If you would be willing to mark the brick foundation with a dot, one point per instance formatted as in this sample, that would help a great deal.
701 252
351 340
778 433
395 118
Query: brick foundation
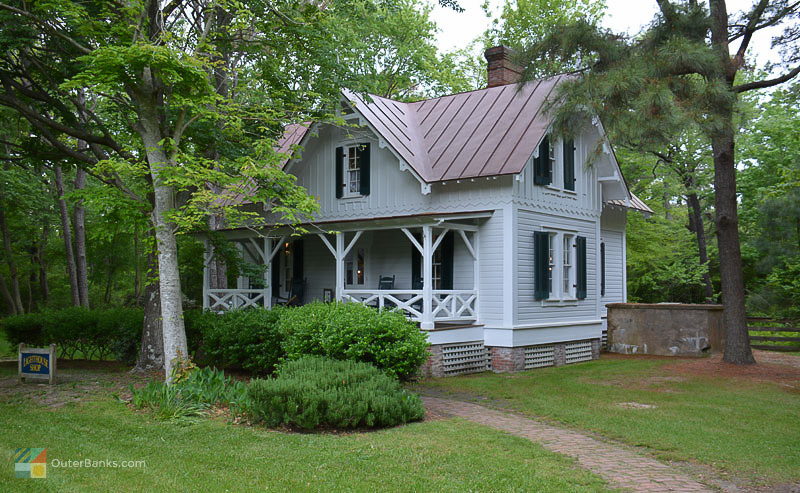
502 359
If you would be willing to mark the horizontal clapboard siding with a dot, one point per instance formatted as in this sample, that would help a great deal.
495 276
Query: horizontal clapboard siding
530 310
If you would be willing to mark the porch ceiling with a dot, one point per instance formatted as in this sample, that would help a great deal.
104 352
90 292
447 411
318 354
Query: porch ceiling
377 223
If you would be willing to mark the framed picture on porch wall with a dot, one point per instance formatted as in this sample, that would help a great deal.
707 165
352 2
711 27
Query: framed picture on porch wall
327 295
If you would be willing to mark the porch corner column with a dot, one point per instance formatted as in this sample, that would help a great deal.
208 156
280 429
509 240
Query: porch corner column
206 277
267 272
427 279
339 258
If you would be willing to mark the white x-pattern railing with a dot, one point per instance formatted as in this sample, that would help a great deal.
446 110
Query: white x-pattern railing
448 305
231 299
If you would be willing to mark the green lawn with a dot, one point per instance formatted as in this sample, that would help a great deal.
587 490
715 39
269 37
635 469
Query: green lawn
739 427
446 455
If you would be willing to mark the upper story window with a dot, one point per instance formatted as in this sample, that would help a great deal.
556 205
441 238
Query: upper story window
352 170
554 163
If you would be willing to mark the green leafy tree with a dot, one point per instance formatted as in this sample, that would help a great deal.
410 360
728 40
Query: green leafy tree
681 71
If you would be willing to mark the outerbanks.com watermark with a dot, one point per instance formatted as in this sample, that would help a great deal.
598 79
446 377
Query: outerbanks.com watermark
33 463
92 463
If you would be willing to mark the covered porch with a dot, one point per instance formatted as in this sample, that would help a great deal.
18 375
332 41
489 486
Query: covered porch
426 266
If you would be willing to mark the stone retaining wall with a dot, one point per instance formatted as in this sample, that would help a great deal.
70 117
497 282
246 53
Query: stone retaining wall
665 329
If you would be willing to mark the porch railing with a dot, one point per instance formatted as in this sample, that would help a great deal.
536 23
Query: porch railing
447 305
231 299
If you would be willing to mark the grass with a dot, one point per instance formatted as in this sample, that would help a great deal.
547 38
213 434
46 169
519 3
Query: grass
738 427
209 455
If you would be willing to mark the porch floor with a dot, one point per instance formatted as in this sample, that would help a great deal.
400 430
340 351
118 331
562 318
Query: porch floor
452 325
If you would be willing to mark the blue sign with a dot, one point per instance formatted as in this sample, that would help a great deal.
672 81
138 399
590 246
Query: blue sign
35 363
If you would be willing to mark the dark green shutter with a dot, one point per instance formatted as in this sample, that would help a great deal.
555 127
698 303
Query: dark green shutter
363 162
569 164
339 172
448 247
542 174
541 264
581 287
416 265
602 269
297 260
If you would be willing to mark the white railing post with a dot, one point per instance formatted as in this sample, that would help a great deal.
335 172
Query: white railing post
206 277
267 272
339 258
427 279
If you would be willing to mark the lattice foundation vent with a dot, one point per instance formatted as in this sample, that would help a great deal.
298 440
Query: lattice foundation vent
539 356
465 358
578 351
604 340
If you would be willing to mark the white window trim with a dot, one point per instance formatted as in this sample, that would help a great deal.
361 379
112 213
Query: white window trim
346 193
557 295
557 172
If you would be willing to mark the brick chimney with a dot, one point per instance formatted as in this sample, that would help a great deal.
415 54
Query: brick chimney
500 69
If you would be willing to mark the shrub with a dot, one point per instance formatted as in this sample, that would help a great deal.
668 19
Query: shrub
314 392
240 339
350 331
80 332
191 396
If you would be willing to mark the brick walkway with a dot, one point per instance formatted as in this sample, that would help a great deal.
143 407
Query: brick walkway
620 466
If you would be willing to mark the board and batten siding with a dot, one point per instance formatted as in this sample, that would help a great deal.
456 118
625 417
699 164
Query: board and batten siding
393 192
531 311
612 233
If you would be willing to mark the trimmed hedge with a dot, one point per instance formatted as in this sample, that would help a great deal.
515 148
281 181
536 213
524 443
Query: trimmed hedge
102 333
314 392
350 331
240 339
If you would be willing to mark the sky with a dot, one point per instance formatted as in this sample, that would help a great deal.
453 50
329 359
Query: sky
457 30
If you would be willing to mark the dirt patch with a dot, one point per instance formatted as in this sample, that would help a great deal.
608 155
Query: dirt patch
768 369
75 381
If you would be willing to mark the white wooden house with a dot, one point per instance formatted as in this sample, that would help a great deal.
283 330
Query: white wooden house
503 243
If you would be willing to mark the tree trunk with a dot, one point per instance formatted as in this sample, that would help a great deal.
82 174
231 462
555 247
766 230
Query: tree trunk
79 221
137 270
12 308
44 287
12 265
66 229
150 130
698 228
151 352
737 338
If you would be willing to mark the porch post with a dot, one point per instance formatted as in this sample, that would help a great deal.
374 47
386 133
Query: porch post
427 279
267 272
206 262
240 279
339 258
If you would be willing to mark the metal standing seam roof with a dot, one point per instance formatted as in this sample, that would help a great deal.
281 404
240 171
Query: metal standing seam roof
635 203
487 132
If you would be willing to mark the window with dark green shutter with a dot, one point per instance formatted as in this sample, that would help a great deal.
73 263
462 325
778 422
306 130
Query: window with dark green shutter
541 265
353 171
569 164
542 163
580 243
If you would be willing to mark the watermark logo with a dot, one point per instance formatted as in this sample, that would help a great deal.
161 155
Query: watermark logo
30 462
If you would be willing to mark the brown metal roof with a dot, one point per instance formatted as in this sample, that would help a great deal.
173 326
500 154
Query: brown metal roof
292 135
487 132
635 203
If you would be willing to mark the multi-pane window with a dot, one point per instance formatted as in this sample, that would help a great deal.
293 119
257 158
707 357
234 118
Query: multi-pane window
551 157
559 266
352 173
566 269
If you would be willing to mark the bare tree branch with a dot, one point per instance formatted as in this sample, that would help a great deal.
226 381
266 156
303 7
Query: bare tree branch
761 84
